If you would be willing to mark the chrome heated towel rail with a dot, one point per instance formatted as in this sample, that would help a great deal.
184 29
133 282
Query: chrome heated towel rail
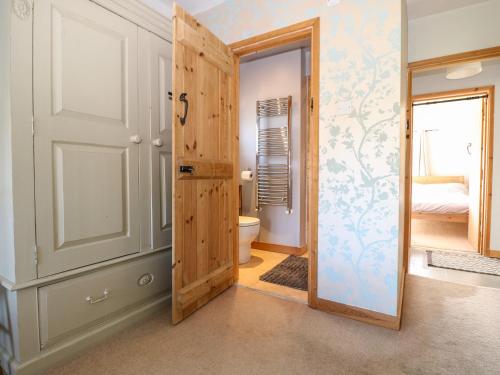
273 160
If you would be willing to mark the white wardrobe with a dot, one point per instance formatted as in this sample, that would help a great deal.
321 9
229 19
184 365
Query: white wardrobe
85 170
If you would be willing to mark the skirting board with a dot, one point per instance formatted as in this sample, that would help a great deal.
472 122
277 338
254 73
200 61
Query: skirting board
283 249
363 315
356 313
401 297
68 349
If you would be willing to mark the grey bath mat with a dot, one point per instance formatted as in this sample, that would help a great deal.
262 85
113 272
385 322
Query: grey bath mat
463 261
292 272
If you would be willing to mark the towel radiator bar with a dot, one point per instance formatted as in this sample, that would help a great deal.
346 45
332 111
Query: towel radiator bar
273 154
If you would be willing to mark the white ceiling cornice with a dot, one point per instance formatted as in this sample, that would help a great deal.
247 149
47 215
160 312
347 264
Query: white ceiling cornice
416 8
192 6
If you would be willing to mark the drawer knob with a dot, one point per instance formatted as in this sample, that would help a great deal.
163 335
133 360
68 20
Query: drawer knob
93 300
145 279
136 138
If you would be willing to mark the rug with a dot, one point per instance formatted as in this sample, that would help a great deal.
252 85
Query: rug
463 262
292 272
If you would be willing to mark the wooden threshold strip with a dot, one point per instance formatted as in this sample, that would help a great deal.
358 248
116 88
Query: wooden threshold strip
276 248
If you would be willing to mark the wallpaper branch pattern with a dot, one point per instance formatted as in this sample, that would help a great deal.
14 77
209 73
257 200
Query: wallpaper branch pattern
360 84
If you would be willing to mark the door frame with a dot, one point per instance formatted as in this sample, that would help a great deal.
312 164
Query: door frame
487 152
486 148
309 29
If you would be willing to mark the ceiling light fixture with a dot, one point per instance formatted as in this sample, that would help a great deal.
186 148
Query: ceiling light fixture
464 71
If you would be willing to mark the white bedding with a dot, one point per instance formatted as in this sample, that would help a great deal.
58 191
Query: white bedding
449 198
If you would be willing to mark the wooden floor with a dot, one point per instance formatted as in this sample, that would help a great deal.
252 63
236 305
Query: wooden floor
440 235
261 262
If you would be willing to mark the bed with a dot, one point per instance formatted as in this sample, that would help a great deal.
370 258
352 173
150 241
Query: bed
440 198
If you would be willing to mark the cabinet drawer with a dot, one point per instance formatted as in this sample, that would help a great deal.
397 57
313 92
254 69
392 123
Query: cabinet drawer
76 303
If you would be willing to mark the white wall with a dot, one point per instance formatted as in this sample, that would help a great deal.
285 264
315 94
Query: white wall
460 30
447 128
403 100
272 77
489 76
6 193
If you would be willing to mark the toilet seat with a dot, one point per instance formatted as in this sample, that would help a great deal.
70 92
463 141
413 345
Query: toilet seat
248 221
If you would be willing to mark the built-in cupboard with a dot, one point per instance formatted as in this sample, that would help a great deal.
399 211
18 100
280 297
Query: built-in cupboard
93 77
102 131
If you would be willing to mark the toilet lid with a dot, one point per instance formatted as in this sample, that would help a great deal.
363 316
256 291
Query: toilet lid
247 221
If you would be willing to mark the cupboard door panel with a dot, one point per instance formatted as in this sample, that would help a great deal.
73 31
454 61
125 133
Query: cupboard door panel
155 66
85 211
86 157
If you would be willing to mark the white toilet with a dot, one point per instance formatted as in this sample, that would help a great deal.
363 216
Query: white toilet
249 230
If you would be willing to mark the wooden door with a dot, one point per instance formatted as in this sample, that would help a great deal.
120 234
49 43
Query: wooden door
205 213
86 146
155 67
476 179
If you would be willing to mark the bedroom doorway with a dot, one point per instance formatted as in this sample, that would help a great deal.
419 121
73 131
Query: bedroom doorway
449 169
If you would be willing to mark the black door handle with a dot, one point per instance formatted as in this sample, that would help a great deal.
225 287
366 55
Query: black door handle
183 99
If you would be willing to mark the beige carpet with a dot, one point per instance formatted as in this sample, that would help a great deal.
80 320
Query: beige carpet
447 329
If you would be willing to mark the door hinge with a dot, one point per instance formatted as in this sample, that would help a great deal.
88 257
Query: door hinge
35 254
312 104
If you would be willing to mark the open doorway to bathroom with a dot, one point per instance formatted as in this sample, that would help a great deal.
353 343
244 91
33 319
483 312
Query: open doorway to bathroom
276 149
274 87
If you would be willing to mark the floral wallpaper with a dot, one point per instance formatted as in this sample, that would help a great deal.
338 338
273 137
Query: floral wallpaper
360 74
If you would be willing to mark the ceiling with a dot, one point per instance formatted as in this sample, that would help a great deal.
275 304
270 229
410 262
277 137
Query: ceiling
416 8
422 8
192 6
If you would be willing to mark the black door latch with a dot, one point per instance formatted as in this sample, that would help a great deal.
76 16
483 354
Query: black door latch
186 169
